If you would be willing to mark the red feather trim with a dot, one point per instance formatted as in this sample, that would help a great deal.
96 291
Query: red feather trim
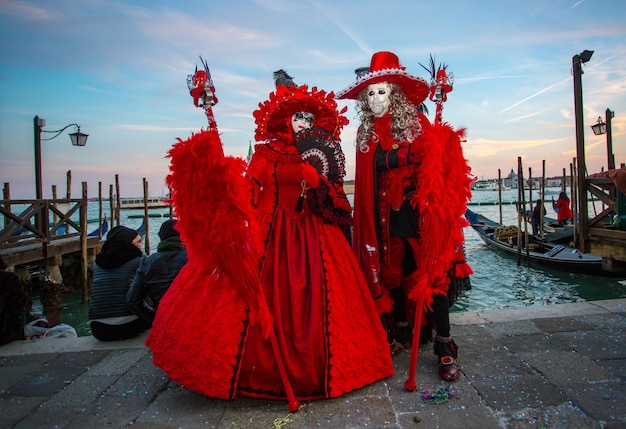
442 195
462 270
385 303
212 200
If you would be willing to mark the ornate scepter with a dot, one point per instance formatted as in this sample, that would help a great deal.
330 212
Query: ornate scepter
441 83
202 90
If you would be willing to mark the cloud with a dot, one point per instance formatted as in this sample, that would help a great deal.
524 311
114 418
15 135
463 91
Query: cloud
27 11
530 97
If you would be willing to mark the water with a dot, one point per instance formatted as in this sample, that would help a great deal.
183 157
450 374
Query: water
498 282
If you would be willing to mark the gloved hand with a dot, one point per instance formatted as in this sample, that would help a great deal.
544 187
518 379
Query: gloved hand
415 156
310 175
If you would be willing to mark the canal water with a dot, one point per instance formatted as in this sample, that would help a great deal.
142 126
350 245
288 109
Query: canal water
498 282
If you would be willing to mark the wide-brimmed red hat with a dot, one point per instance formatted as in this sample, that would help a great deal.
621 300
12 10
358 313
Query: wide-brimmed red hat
274 114
385 67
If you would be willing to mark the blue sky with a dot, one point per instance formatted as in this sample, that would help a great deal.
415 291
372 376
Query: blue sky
119 70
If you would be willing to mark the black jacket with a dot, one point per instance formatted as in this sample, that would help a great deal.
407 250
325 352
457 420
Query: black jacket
154 276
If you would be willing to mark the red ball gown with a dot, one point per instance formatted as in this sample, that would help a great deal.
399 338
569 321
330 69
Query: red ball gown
210 335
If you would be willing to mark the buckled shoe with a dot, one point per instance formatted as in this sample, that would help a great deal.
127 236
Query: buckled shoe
446 350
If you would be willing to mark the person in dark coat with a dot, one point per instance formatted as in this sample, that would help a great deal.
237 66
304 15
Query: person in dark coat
14 303
538 213
156 273
114 270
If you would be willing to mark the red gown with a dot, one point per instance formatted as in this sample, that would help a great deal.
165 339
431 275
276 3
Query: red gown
330 337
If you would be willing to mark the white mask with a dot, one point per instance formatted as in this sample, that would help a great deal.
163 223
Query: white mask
301 121
378 98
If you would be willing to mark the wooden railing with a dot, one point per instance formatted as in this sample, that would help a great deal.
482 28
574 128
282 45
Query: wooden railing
41 221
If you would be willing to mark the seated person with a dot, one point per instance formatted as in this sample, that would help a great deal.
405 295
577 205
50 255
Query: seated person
156 273
114 270
14 304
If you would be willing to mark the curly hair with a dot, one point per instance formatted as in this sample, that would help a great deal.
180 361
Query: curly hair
405 123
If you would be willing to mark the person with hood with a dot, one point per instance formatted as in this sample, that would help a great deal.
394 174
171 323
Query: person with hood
114 270
14 305
156 273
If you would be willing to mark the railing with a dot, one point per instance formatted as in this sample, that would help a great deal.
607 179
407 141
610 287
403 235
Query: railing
41 221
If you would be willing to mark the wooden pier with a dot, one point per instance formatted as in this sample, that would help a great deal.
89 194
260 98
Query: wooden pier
43 233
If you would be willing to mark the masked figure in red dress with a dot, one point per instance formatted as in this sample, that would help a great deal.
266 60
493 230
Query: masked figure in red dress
272 298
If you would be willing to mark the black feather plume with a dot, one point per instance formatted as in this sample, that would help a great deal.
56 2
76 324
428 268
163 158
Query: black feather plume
282 78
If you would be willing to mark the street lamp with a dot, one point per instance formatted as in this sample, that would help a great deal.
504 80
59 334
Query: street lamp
577 62
604 127
78 139
599 128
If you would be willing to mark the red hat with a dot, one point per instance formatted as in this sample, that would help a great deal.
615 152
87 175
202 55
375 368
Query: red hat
385 67
274 114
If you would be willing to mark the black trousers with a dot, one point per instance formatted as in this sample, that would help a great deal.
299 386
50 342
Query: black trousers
105 332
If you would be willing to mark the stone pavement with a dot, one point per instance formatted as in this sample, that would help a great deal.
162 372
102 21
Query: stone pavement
554 366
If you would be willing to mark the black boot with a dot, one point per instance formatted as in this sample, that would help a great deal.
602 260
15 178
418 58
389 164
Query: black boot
446 350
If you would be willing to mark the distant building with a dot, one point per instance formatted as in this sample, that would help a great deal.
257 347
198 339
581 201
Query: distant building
550 182
510 180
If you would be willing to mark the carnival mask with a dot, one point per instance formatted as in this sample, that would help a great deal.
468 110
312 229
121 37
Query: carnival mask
378 98
301 121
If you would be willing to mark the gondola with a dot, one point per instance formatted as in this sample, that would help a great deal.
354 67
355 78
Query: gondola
539 252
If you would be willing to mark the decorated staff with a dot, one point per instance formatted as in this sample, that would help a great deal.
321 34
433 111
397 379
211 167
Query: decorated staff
202 91
440 85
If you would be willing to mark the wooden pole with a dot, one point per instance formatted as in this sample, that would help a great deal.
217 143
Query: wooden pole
55 218
145 216
574 194
581 169
542 196
100 208
520 199
609 114
6 195
530 195
118 199
500 193
83 244
169 196
111 206
68 184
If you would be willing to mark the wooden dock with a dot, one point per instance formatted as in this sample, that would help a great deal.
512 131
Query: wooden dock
38 234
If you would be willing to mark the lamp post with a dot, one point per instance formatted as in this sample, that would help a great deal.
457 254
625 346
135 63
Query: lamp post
604 127
577 62
78 139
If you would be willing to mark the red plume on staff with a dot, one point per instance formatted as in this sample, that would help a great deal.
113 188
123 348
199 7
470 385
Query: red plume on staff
202 91
441 83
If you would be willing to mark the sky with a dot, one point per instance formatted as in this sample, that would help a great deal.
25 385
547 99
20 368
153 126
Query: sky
119 70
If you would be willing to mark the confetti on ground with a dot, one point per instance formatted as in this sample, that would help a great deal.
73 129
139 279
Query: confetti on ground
282 421
439 395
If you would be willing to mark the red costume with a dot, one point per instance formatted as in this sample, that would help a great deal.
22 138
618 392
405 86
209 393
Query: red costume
412 185
429 172
275 267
